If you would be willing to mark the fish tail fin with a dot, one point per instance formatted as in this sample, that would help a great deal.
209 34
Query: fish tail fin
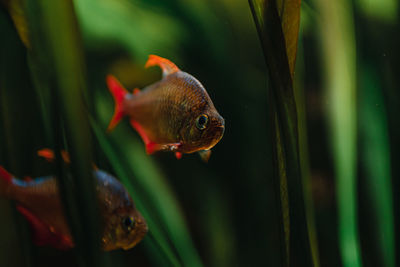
118 92
166 65
5 181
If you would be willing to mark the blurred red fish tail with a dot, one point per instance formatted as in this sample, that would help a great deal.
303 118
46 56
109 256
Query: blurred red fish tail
166 65
5 180
119 93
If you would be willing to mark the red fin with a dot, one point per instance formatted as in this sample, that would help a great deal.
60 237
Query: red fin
5 175
141 132
153 147
43 234
136 91
119 93
48 154
178 155
167 66
5 180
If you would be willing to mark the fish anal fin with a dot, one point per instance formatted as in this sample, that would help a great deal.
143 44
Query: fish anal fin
44 235
141 132
151 146
166 65
118 92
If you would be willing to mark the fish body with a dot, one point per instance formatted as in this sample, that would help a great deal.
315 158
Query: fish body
175 113
40 203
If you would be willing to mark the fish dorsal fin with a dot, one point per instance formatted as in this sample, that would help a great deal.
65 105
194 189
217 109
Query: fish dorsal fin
48 154
167 66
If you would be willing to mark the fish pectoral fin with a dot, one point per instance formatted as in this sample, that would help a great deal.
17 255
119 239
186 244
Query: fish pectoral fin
178 155
205 155
154 147
166 65
43 234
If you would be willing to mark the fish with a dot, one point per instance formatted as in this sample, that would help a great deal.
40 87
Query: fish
39 201
174 114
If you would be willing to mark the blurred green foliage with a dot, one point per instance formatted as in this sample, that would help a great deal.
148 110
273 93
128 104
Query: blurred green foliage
226 212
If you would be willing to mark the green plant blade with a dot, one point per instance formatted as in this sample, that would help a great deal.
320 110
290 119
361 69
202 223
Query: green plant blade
279 42
375 157
60 56
337 35
16 246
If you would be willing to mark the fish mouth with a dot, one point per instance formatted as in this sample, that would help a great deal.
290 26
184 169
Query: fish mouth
219 133
141 233
223 129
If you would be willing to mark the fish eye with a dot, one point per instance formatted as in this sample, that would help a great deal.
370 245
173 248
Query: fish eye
201 121
128 223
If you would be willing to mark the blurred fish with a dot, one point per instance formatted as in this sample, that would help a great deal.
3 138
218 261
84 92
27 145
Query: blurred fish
174 114
38 200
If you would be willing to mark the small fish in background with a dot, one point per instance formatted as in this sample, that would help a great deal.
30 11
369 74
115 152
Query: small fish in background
38 200
174 114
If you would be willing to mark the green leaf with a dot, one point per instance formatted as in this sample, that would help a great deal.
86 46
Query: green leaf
277 25
57 53
338 48
375 157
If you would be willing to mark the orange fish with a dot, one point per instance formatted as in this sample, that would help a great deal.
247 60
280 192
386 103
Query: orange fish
38 200
174 114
